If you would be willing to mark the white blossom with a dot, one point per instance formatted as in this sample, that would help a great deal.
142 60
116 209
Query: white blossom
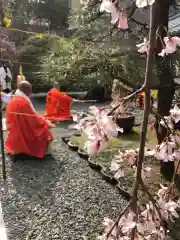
144 3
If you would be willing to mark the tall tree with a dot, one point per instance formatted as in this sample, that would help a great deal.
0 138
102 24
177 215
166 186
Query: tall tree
165 76
54 11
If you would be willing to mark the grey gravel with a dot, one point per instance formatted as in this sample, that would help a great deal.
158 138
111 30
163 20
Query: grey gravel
57 198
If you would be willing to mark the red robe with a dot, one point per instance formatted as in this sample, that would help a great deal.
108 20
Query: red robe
57 106
28 134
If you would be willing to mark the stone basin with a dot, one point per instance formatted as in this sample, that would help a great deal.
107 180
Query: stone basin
126 122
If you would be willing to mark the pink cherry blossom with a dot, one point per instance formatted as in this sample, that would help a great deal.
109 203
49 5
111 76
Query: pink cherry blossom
120 173
149 221
93 147
127 223
171 207
109 7
144 3
128 226
110 127
176 138
98 128
103 237
176 154
107 223
168 209
167 122
120 155
146 172
131 156
114 17
117 167
143 47
123 22
150 153
175 114
165 151
163 191
170 45
114 166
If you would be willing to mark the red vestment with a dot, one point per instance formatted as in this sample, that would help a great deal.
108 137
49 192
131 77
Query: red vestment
28 134
57 106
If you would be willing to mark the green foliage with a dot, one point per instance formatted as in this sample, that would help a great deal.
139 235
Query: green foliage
31 54
115 50
86 60
81 65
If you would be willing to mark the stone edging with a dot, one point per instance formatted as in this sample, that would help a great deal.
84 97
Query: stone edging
97 167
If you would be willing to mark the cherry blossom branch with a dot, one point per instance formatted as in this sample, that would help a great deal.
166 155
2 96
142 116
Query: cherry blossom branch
117 220
163 221
176 170
147 88
161 117
153 201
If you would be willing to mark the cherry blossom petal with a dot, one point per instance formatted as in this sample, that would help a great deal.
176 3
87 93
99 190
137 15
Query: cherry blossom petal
167 122
176 154
108 222
114 17
120 173
171 44
143 47
114 166
175 114
146 172
107 6
127 227
144 3
176 40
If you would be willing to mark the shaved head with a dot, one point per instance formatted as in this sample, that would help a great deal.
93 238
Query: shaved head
25 87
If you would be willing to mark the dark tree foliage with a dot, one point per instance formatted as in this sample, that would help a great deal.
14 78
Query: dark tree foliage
53 13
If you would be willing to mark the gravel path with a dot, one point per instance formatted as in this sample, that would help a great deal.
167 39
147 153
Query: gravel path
59 198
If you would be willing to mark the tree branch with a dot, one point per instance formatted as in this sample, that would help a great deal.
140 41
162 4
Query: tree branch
117 220
153 202
125 99
147 86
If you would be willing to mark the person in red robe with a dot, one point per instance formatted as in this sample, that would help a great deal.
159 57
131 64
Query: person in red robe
58 106
28 132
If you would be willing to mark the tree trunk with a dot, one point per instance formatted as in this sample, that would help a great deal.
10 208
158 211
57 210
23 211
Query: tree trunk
166 83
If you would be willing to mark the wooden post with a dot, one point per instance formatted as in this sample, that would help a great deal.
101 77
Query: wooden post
20 76
1 116
2 140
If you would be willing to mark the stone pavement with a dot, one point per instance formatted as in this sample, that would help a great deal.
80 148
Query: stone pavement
3 235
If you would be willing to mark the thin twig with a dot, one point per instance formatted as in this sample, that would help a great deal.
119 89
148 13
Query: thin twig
147 84
161 117
152 200
174 176
125 99
117 220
